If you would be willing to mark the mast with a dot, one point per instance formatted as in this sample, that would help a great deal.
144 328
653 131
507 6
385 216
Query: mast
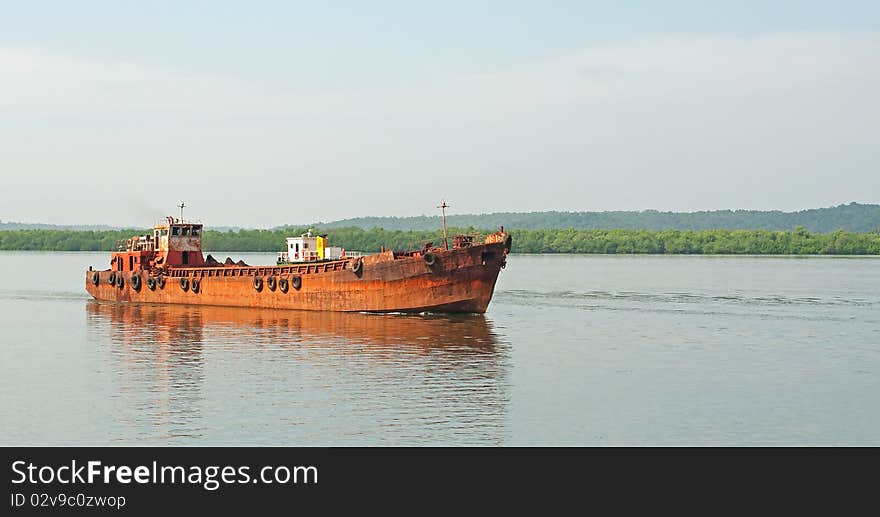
180 206
443 206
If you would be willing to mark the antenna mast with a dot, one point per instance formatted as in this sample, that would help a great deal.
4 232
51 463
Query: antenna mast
180 206
443 206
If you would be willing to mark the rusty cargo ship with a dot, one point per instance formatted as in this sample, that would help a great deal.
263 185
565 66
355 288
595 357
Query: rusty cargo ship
168 266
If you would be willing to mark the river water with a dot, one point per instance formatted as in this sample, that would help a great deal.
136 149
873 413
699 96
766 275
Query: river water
575 350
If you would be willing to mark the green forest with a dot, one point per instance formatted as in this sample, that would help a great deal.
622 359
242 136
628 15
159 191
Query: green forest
852 217
750 242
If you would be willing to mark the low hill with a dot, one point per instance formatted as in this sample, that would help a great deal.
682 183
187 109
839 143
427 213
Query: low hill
853 217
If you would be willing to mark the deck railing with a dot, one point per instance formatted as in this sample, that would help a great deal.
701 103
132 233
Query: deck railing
312 256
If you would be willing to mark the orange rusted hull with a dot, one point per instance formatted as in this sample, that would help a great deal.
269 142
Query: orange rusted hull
460 280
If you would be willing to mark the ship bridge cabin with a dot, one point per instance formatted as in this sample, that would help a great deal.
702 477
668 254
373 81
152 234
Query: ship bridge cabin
308 247
175 243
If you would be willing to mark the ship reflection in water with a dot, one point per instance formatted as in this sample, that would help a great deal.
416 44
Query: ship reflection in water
218 375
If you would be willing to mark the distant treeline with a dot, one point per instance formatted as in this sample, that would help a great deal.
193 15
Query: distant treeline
853 217
758 242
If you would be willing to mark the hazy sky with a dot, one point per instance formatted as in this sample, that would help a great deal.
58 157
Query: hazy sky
265 113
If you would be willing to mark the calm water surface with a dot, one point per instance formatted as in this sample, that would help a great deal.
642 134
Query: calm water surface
575 350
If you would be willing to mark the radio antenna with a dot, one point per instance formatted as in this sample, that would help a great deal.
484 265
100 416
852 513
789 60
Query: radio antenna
443 206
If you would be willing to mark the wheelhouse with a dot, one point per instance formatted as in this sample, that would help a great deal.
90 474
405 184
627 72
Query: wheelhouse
175 243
